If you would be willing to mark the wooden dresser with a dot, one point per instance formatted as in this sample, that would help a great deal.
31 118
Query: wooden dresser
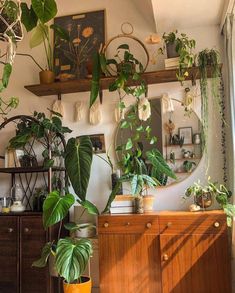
166 252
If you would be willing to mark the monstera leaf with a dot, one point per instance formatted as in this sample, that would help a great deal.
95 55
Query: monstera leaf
56 207
78 159
72 256
44 9
46 251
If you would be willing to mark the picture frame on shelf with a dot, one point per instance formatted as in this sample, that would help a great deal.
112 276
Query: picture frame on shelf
187 134
73 59
98 143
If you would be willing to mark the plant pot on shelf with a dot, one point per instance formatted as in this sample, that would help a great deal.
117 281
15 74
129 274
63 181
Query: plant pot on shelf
84 287
139 204
148 203
46 77
171 50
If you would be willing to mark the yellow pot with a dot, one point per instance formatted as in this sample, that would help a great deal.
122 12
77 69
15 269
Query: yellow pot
84 287
46 77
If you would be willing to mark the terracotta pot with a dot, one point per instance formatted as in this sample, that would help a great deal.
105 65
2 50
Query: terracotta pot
139 204
46 77
84 287
148 203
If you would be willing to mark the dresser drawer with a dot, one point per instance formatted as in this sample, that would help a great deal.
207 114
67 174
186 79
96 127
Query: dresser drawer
193 223
128 224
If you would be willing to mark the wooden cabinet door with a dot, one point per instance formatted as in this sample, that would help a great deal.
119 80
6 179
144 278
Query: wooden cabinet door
9 265
129 263
197 263
32 239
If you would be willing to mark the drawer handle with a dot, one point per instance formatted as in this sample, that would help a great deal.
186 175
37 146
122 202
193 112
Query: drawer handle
106 225
26 230
169 224
128 224
216 224
165 257
149 225
10 230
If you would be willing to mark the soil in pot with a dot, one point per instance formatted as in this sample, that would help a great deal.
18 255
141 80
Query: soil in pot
84 287
46 77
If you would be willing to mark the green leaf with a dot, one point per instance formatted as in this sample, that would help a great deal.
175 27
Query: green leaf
125 124
78 159
56 207
28 17
38 35
77 227
112 197
60 32
6 74
129 144
48 163
153 140
46 251
44 9
72 256
91 208
123 46
157 160
95 84
136 184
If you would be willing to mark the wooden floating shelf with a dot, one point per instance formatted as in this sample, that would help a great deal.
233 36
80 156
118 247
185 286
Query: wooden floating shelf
185 159
84 85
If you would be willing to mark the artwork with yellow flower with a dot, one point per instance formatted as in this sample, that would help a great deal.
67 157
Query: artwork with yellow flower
86 35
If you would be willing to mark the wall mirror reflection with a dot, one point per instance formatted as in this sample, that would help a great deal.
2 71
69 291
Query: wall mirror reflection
179 137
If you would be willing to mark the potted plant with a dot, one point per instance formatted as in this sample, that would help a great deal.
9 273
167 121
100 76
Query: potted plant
179 45
138 167
205 194
35 18
188 166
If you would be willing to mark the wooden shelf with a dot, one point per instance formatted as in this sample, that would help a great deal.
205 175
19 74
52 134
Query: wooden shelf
184 145
84 85
39 169
185 159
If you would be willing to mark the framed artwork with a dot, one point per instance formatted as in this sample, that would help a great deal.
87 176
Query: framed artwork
98 143
87 34
187 133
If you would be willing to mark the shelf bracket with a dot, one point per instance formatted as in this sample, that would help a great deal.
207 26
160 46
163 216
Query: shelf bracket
101 95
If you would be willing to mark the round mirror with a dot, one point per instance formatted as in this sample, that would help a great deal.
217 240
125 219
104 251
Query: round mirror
178 135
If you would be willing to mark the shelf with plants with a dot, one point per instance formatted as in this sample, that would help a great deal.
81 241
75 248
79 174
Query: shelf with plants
39 169
84 85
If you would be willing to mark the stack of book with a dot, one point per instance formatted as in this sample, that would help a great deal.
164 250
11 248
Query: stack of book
172 63
122 204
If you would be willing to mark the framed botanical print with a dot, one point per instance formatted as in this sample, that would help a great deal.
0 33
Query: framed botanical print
187 134
86 35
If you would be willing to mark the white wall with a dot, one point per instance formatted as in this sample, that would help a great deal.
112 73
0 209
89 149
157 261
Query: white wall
118 12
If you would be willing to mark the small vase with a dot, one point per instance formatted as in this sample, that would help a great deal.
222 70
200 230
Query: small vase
139 205
148 203
204 200
171 50
46 77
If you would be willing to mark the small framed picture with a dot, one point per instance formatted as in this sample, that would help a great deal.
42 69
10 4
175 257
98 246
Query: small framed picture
98 143
187 134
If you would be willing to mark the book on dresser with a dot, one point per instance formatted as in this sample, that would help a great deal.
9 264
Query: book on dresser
122 204
171 63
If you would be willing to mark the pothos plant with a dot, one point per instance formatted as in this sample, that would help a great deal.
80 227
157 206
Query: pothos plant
184 47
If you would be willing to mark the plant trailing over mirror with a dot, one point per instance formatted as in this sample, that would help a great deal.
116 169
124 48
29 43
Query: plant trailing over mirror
183 47
218 191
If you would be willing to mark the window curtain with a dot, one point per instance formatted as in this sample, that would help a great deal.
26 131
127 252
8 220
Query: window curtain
229 41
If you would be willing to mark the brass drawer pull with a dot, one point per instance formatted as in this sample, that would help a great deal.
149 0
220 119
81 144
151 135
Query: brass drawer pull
165 257
128 224
26 230
10 230
216 224
149 225
106 225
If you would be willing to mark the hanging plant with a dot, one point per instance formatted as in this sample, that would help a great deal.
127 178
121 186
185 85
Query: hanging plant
209 59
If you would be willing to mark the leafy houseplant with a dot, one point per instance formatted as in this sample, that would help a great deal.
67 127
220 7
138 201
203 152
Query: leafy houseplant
35 18
204 194
188 165
183 47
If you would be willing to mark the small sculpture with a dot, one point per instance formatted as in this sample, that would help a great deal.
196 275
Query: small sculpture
194 208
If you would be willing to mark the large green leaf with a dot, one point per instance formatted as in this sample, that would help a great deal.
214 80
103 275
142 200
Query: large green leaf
72 256
38 35
157 160
46 251
60 32
90 207
95 84
56 207
78 159
6 74
45 9
28 17
78 227
112 197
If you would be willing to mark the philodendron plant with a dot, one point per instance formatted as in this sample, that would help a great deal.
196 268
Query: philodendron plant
71 254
